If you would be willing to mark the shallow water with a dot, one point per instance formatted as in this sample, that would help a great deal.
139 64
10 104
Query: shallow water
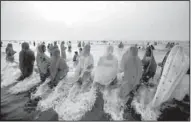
63 103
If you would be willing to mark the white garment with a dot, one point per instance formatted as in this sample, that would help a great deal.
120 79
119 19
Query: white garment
106 71
83 64
174 70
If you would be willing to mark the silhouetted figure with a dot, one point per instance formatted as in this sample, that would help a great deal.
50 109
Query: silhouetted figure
152 47
149 64
34 43
10 53
121 45
26 61
48 46
80 51
69 46
75 58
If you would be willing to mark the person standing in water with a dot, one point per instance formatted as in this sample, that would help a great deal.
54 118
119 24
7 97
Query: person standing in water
69 46
76 58
121 45
63 50
83 44
34 43
26 61
86 62
55 44
10 52
79 44
43 62
58 68
84 68
132 68
109 64
149 65
80 51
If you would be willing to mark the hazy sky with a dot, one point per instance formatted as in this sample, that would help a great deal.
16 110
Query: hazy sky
95 20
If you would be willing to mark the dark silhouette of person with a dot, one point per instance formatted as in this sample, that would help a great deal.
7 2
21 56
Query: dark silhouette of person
26 61
34 43
149 64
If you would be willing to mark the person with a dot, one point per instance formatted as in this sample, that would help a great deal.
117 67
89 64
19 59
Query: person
174 82
58 68
83 44
26 61
86 61
34 43
80 51
69 46
83 72
79 44
55 44
149 65
132 69
63 50
10 52
109 64
43 62
75 58
48 46
121 45
50 49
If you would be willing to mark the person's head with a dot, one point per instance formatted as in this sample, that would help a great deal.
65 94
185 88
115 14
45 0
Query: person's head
56 52
148 51
86 50
76 53
25 46
9 45
55 43
41 48
80 49
62 42
109 50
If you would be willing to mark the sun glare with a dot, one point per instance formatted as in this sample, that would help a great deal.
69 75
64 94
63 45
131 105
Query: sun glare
69 12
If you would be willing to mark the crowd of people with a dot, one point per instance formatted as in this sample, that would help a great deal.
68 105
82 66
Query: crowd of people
133 68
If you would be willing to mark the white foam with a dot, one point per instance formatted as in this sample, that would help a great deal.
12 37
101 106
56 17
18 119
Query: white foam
73 108
113 105
26 84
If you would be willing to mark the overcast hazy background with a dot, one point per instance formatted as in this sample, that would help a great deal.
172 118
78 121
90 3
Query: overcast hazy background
94 20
